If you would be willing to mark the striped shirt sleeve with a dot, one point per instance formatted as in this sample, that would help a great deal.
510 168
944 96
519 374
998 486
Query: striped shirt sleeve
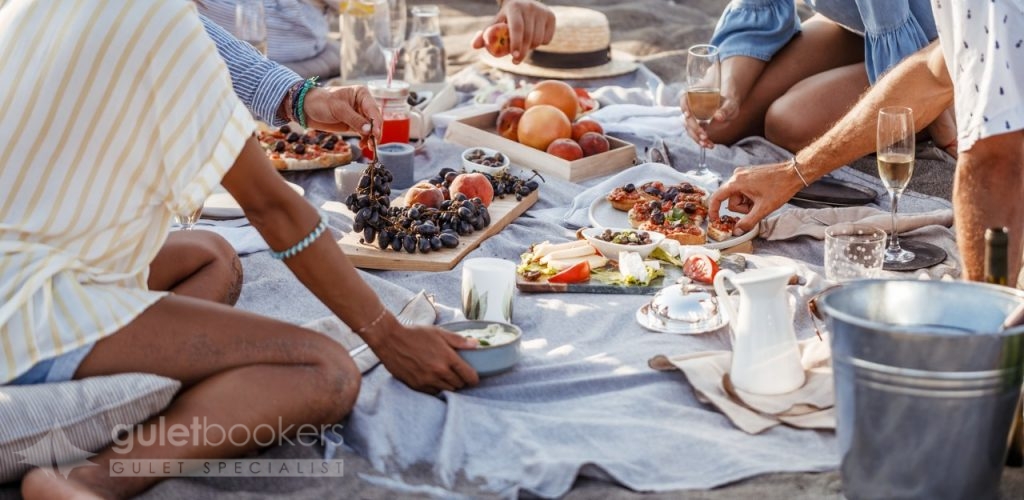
259 83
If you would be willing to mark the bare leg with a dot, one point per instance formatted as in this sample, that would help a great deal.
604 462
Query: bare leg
821 46
198 264
238 369
811 106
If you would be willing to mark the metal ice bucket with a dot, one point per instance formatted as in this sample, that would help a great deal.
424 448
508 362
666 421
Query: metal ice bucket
926 386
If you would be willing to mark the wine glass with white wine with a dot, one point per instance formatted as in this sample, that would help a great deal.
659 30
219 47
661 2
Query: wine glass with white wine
389 30
251 24
187 221
895 167
703 98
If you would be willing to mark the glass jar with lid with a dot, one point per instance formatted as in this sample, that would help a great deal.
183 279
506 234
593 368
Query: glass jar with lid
399 117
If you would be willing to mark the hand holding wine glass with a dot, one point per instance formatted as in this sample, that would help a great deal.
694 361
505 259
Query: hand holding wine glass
389 30
896 166
703 97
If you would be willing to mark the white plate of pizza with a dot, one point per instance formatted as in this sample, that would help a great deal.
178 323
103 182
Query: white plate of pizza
221 205
676 208
290 148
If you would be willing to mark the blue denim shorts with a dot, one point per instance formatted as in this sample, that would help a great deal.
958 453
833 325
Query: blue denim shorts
57 369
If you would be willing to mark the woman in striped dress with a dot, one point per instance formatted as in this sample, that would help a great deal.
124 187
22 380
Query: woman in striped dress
121 115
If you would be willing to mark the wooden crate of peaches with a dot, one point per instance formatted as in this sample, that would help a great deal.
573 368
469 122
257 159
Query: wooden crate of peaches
546 119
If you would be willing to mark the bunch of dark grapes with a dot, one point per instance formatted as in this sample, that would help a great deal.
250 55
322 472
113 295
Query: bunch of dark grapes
416 228
503 182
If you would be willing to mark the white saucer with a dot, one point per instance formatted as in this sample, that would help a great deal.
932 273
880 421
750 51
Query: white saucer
221 205
646 318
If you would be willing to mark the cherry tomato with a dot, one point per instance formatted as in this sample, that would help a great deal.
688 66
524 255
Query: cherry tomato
700 268
575 273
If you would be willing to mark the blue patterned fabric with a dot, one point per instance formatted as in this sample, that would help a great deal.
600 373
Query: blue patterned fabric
892 30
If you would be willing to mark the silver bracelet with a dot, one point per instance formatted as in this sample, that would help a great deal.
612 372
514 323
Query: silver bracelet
793 163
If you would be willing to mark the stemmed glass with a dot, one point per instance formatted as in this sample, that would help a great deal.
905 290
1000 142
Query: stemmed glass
187 221
251 24
389 30
896 166
703 97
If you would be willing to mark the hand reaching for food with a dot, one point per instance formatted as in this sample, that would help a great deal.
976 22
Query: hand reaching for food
519 27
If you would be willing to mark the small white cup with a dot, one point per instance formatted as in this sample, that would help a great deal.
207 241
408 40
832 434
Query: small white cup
853 251
346 179
488 286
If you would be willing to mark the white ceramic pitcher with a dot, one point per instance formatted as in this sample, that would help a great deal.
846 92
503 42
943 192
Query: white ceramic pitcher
765 355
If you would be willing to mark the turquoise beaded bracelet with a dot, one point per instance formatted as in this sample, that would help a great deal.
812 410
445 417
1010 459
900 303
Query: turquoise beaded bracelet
300 102
305 243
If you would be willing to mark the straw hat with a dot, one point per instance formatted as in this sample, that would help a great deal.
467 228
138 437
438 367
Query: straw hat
581 48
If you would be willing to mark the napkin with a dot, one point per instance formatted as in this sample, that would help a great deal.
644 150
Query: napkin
809 407
641 120
418 311
813 221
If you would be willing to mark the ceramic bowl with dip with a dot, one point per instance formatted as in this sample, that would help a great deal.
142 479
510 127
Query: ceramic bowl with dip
484 160
499 345
611 241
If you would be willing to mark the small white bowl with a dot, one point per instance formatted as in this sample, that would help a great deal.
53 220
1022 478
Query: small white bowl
472 166
611 250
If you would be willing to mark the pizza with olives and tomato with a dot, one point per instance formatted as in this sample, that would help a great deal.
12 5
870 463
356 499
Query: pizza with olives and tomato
288 148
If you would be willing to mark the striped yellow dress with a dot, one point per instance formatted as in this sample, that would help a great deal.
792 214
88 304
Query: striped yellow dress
114 115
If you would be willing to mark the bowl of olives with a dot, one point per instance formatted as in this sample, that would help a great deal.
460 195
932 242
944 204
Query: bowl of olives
484 160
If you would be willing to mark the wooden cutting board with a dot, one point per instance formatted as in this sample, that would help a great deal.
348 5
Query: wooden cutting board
542 285
503 212
672 273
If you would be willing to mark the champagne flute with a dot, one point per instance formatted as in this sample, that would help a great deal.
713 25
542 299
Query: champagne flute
251 24
389 31
187 221
703 97
895 167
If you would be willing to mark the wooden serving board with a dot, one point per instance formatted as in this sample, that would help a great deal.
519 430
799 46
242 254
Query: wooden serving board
503 212
672 273
542 285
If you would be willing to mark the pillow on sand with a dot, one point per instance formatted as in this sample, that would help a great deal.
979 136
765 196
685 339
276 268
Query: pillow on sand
58 423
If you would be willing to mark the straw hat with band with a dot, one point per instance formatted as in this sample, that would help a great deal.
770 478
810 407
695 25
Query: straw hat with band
581 48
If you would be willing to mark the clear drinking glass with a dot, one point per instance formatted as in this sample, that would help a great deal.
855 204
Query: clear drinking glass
425 54
703 97
251 24
389 30
187 221
896 166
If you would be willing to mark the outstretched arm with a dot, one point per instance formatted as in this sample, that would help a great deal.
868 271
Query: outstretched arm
423 357
920 82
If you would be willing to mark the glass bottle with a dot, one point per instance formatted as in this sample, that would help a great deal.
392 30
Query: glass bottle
424 52
996 242
361 57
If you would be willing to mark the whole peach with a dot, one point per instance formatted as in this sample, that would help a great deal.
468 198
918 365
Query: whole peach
567 149
583 126
508 123
473 185
594 143
425 193
496 40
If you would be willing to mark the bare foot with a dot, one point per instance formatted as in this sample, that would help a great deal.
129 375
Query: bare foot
45 484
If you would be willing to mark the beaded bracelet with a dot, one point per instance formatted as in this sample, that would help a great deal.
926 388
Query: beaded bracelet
361 330
793 163
300 102
305 243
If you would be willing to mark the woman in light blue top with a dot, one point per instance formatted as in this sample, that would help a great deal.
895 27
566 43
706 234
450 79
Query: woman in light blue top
789 81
